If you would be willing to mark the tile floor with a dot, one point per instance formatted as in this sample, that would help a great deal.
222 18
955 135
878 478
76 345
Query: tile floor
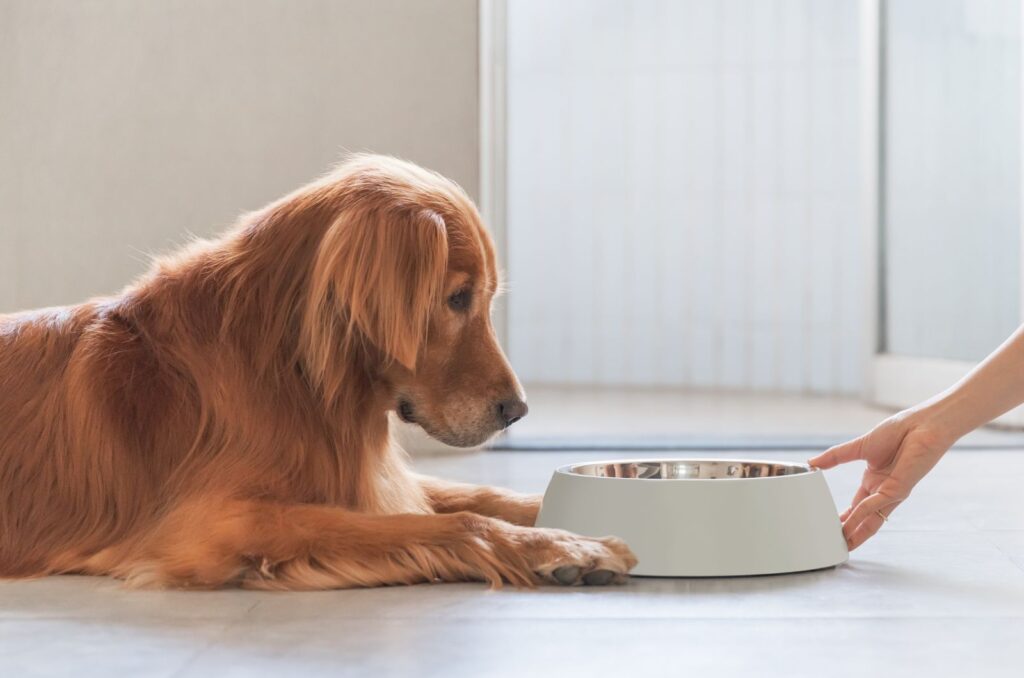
939 592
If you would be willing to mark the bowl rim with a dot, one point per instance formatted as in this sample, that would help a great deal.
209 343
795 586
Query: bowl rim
807 469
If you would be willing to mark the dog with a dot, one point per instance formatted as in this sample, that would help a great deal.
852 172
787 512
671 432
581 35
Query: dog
223 421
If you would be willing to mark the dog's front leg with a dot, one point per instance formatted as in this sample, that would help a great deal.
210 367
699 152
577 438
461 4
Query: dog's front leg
449 497
258 544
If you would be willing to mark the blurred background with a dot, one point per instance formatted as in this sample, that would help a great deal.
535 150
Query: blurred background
767 220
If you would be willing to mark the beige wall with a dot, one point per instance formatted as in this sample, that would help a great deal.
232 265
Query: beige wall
125 125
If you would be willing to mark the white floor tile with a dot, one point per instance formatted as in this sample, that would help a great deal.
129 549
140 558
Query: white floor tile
103 598
102 648
645 647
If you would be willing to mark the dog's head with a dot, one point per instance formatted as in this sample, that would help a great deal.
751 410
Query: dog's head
406 274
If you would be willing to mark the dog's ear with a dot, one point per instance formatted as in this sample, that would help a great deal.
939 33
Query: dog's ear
378 273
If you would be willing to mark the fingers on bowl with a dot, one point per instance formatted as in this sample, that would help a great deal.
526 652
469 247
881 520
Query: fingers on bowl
866 517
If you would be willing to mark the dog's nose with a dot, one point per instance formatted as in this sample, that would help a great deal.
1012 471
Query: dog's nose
512 410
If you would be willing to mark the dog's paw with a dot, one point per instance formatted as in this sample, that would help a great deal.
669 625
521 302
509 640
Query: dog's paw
571 560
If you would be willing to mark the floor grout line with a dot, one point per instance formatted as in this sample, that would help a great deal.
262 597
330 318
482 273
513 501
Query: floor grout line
1013 561
213 642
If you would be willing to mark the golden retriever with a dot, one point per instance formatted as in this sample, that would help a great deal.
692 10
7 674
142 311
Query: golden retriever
223 421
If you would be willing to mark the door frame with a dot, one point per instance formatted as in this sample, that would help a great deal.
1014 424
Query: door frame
493 60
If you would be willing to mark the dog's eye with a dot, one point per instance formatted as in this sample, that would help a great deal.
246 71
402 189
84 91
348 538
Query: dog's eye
459 301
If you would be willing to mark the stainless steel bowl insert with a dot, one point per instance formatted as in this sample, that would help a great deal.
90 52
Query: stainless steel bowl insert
687 469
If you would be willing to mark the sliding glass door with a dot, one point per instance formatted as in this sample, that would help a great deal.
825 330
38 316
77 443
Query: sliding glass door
950 190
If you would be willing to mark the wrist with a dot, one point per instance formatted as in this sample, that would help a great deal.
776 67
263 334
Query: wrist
947 416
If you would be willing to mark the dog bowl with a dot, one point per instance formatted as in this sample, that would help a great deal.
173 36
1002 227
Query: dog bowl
702 517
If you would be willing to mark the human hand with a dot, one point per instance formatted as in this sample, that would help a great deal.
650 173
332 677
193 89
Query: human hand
899 452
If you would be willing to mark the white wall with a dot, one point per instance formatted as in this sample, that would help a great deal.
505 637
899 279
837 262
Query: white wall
126 125
684 193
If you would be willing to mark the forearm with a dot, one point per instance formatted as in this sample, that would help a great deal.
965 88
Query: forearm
992 388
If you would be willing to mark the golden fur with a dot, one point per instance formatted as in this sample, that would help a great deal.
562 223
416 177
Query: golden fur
223 421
